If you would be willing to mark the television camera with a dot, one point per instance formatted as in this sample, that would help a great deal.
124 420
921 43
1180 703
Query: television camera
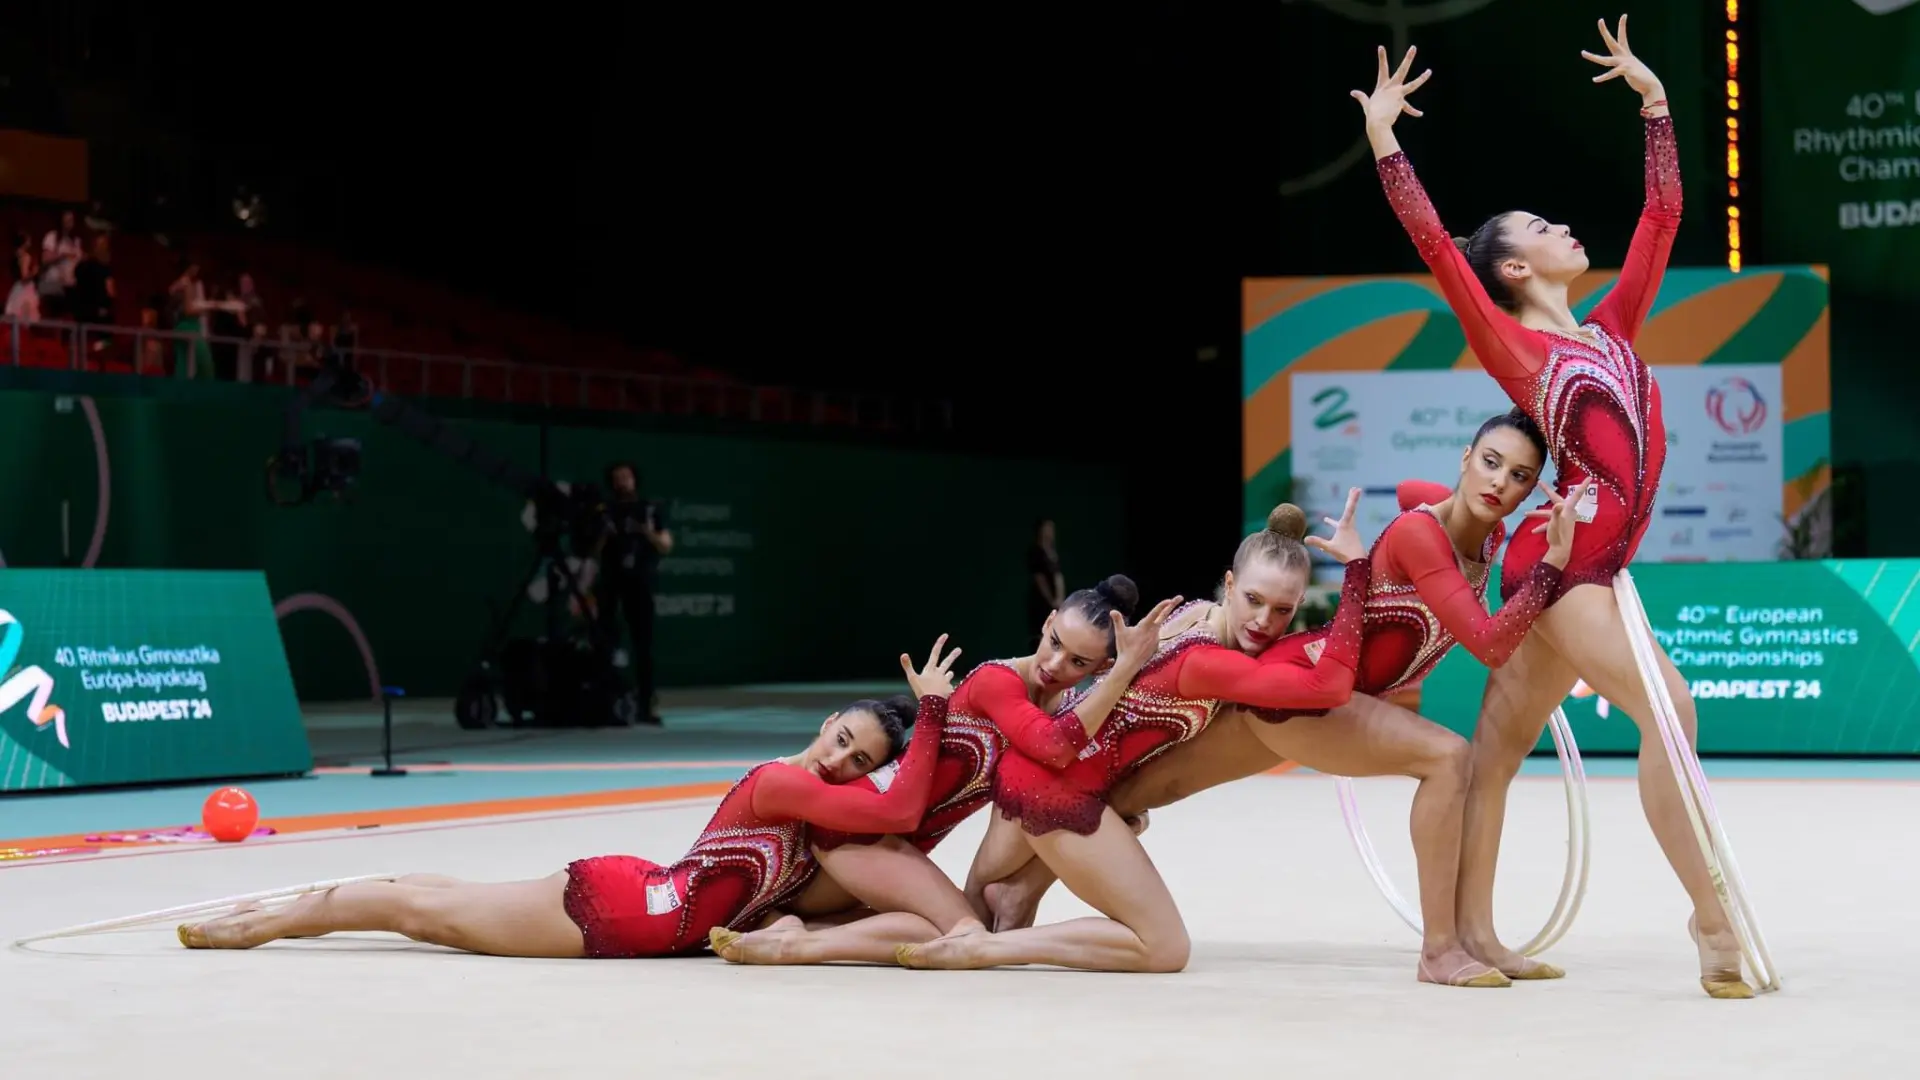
561 678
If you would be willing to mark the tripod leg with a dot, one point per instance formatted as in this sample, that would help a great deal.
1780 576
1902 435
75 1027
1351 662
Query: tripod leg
602 648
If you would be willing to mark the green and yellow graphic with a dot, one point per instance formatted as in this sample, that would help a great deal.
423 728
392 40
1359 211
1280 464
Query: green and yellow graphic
1765 315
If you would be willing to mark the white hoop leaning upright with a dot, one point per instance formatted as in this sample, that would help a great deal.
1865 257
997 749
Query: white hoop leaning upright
205 907
1694 792
1572 891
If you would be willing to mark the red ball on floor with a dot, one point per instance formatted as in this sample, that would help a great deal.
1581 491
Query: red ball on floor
229 814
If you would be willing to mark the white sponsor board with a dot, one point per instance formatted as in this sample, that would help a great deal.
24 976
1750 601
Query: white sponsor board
1719 498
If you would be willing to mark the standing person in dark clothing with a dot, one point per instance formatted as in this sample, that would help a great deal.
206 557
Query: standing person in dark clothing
1045 585
629 553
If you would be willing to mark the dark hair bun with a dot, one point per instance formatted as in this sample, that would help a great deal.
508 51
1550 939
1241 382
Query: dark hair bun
1462 242
900 707
1288 520
1120 591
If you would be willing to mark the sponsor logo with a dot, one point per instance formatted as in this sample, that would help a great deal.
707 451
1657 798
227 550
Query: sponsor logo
31 681
1332 403
1736 405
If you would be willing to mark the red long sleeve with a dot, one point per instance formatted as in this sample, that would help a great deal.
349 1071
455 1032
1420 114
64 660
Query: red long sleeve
785 792
1227 674
1414 493
1625 308
1052 740
1417 546
1505 349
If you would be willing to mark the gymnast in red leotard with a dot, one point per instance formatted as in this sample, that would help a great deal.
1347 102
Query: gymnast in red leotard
1061 814
1425 592
1599 407
751 856
1000 704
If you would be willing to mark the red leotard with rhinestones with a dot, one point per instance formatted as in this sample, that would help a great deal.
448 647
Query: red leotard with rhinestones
1595 400
752 856
989 711
1421 598
1173 699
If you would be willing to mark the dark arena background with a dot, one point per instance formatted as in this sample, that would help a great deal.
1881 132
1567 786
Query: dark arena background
482 440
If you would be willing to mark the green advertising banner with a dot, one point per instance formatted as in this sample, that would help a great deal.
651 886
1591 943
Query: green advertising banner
1790 658
142 676
794 559
1840 139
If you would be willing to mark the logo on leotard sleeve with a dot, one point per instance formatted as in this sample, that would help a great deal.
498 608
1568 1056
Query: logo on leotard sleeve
1314 649
1588 507
663 898
882 777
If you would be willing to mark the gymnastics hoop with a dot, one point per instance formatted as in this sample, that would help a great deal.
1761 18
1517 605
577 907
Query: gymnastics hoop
1728 884
1572 890
205 907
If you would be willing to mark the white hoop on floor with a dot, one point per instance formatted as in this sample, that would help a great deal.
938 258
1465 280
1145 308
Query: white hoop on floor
1572 891
1694 792
205 907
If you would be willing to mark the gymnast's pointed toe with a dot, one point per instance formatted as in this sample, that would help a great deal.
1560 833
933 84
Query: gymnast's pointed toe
1724 989
721 939
1536 971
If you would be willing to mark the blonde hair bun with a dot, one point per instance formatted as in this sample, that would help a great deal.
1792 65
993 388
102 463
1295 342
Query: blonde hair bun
1289 521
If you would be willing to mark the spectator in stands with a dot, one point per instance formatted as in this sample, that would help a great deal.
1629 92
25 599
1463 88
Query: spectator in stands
90 299
60 253
226 325
153 350
317 343
23 300
188 309
93 294
292 348
629 554
346 334
256 357
256 307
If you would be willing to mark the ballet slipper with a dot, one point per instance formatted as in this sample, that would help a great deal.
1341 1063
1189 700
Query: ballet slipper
950 953
1532 970
721 939
761 947
1517 967
230 932
1470 973
1721 967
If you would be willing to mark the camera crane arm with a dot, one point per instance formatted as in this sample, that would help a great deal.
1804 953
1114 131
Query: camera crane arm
334 463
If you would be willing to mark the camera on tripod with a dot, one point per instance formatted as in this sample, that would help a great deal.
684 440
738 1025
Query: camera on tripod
301 471
562 678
